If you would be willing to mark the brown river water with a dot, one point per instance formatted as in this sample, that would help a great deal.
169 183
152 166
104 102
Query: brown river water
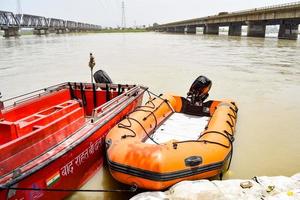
261 74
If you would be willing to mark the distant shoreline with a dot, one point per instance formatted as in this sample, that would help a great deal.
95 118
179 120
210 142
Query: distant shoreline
30 32
120 31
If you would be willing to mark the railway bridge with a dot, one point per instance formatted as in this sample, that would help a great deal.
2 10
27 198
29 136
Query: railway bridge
11 24
285 15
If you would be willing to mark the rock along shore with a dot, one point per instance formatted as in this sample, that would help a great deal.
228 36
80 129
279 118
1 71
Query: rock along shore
260 188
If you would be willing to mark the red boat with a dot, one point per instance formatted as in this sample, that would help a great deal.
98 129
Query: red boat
54 138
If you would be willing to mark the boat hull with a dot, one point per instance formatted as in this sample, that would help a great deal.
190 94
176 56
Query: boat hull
75 161
137 156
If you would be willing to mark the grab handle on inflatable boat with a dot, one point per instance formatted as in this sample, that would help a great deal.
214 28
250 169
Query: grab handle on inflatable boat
193 161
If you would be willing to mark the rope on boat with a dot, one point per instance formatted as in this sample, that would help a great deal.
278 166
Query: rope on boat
235 106
151 113
165 100
234 111
127 127
141 108
132 189
144 130
120 125
231 118
230 126
226 134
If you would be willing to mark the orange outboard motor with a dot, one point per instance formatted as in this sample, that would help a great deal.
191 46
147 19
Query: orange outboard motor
199 90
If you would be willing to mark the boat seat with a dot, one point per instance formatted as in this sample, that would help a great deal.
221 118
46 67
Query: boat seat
33 144
8 132
12 130
30 123
35 105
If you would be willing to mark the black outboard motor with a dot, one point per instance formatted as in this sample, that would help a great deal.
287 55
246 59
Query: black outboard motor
101 76
199 90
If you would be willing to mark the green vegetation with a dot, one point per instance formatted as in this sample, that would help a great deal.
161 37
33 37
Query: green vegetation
128 30
26 32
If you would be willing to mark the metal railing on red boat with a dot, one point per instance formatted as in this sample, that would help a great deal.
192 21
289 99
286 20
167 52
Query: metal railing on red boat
30 95
13 101
116 101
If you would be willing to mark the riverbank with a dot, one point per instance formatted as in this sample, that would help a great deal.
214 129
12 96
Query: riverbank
267 188
30 32
121 31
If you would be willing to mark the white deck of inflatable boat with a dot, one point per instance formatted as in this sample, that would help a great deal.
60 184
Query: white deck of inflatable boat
179 127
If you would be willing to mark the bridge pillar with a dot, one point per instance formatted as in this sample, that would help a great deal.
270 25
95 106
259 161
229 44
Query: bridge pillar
211 29
73 30
40 31
235 30
179 29
171 29
11 32
60 31
288 30
256 29
191 29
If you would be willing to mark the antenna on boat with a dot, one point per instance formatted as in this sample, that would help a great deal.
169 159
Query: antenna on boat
92 64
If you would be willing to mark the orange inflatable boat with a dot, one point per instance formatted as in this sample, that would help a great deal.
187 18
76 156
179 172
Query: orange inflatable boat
172 138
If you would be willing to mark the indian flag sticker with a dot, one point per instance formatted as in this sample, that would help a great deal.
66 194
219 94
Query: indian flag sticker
53 179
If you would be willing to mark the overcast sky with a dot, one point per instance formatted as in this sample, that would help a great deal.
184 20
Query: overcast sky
141 12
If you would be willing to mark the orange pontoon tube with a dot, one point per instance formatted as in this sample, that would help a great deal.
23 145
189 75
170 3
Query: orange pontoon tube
172 138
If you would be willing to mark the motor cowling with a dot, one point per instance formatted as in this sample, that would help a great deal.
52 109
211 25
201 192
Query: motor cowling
199 90
101 76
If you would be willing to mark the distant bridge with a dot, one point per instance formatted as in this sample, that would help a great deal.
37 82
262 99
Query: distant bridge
11 24
285 15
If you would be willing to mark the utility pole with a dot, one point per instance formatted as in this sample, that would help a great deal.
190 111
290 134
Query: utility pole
123 16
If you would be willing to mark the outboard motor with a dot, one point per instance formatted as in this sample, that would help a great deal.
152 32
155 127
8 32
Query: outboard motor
101 76
199 90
